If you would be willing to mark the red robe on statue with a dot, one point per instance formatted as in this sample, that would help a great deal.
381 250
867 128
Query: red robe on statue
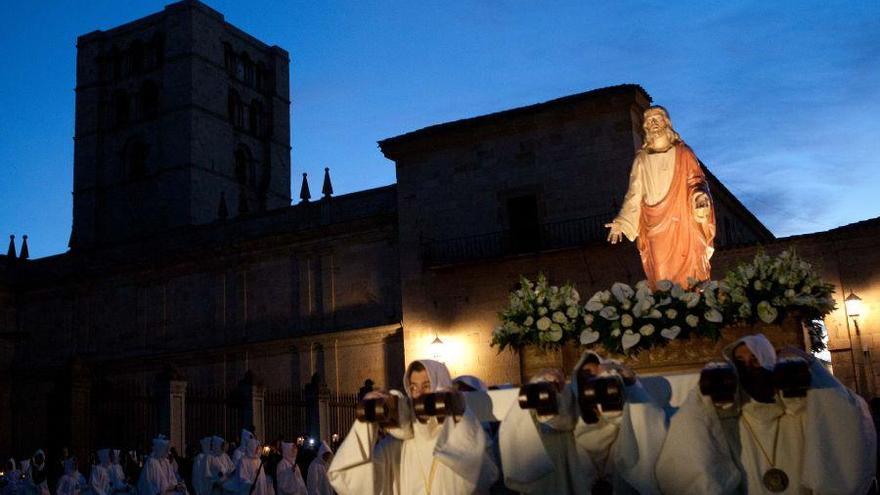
673 245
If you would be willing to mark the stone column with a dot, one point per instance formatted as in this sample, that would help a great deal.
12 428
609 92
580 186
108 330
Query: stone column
324 415
172 408
253 412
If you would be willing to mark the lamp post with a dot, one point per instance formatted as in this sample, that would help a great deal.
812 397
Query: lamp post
853 305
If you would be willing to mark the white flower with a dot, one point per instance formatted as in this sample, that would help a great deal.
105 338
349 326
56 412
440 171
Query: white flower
609 313
676 291
588 336
745 310
758 285
626 305
622 292
626 320
692 320
615 333
542 311
646 330
664 285
713 315
540 300
529 321
555 327
655 314
664 301
605 296
691 298
554 335
766 312
559 317
571 312
588 319
671 333
594 305
790 293
671 313
544 324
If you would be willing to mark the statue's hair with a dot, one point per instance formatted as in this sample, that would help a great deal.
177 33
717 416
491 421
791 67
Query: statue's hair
674 138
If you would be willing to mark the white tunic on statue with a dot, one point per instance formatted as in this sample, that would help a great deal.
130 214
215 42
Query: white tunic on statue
288 477
826 445
318 483
649 180
450 458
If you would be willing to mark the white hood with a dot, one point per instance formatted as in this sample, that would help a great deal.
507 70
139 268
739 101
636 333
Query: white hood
760 347
217 445
104 457
437 373
288 451
206 445
473 382
160 447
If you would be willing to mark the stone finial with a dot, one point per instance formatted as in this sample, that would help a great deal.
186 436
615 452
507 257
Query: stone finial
11 251
222 209
25 252
304 194
327 190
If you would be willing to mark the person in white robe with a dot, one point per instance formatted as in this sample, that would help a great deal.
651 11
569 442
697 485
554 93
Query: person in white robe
70 482
563 454
289 480
39 473
201 481
416 458
318 483
13 478
118 482
99 479
158 476
246 436
765 443
249 477
219 465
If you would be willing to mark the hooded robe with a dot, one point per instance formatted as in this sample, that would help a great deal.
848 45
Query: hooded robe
246 436
69 483
826 441
451 458
219 466
289 478
563 454
118 482
249 477
318 483
158 476
99 479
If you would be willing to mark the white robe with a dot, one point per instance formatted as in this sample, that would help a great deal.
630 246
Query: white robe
69 484
318 483
99 480
157 476
289 478
219 466
117 477
827 444
563 454
453 457
244 476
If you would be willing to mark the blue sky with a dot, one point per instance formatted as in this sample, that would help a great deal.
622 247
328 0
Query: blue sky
779 99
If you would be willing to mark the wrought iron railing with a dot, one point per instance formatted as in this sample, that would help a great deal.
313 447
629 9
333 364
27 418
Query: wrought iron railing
544 237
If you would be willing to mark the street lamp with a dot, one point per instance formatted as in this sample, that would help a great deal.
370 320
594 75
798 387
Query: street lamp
436 348
853 305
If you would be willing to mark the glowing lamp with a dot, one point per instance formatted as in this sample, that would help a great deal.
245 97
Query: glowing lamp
436 348
853 305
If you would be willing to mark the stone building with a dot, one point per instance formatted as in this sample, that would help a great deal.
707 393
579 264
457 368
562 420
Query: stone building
193 284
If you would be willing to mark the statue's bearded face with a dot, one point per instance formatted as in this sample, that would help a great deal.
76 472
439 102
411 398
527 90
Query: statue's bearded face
656 123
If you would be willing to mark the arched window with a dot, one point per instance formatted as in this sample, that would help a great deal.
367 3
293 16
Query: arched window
243 167
239 68
121 106
136 158
136 52
260 73
156 51
255 116
149 100
248 67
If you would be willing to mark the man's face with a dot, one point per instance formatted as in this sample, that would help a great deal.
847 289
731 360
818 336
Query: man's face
744 357
419 383
655 121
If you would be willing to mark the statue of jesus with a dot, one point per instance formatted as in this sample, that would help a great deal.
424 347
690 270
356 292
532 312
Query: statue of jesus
667 209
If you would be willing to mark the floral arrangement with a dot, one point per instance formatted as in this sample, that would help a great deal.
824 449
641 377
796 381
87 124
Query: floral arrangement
624 319
768 288
539 313
629 319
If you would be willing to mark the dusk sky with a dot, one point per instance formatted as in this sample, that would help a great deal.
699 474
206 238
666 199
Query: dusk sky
779 99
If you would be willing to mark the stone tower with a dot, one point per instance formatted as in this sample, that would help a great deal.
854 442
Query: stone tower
181 119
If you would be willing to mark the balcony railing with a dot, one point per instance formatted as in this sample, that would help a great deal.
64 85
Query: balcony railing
544 237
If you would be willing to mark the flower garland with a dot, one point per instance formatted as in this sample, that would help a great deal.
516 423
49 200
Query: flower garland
628 319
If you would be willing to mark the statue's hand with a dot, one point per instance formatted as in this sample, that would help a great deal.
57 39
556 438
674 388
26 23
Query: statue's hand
615 234
701 207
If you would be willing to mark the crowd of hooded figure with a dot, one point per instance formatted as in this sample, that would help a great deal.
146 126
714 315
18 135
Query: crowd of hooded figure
760 440
252 469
